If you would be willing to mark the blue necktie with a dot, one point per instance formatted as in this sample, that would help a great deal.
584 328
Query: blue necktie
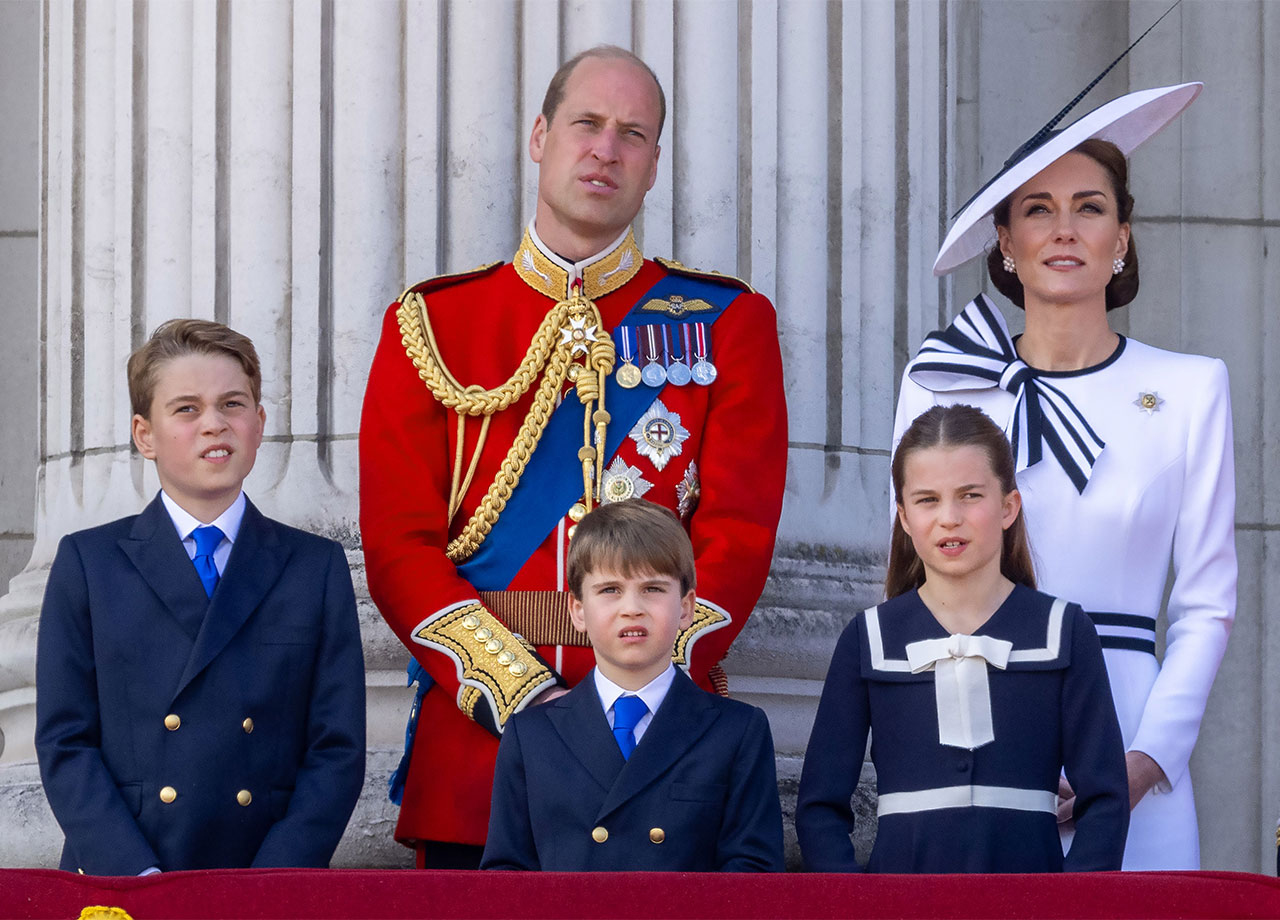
627 712
207 540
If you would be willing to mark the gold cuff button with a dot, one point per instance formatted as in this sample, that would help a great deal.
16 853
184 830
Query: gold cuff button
506 656
599 835
470 621
244 797
172 722
657 835
484 634
493 646
517 668
247 725
168 794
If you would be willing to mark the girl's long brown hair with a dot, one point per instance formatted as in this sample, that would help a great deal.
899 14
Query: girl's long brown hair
956 426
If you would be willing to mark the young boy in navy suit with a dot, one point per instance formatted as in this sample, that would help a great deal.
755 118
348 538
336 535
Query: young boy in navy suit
635 768
199 674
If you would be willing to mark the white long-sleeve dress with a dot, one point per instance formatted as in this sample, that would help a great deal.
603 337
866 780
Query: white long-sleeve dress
1161 490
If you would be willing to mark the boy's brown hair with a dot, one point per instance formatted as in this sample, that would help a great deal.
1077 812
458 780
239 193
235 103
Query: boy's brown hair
178 337
631 537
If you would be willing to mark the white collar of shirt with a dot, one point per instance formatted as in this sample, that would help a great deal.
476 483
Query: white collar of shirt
228 522
575 269
653 693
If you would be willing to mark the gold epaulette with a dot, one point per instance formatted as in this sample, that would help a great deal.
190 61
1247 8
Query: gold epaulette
676 268
444 281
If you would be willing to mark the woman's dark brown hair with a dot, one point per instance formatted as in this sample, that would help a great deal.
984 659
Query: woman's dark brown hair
955 426
1122 288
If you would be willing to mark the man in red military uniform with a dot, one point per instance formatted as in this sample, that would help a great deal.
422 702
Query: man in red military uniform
504 403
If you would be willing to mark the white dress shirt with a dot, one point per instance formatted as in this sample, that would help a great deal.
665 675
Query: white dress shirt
653 693
228 522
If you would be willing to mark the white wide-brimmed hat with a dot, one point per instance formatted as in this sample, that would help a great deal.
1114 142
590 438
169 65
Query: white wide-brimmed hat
1126 122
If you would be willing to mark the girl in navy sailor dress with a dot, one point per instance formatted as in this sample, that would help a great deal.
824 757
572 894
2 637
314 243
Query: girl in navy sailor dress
977 690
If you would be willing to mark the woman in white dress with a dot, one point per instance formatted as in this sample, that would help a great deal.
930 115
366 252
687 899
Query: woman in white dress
1124 450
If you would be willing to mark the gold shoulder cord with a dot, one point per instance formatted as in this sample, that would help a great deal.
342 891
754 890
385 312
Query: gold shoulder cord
577 324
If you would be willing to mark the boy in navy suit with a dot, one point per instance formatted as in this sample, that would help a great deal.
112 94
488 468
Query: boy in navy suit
199 674
635 768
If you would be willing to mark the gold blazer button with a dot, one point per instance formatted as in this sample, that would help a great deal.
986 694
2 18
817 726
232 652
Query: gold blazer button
657 835
247 725
168 794
599 835
172 722
244 796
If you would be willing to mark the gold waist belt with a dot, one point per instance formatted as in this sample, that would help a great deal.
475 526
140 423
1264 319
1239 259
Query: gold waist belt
541 617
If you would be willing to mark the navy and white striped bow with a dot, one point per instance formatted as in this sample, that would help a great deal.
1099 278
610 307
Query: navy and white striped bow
976 352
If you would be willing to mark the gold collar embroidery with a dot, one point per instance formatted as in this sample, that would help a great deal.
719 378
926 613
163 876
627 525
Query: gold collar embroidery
603 275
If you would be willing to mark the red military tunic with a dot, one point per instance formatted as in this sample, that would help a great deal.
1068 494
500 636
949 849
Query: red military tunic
482 323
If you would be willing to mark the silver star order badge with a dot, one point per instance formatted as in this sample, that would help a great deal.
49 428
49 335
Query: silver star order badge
579 333
1149 402
659 435
688 491
622 481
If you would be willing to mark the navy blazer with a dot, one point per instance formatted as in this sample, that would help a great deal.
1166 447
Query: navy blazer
699 792
183 732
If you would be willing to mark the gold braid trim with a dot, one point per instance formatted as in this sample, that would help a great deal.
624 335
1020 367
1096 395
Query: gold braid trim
494 664
420 345
550 354
706 617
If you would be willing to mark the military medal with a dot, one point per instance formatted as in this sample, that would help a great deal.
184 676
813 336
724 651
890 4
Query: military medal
678 371
1149 402
704 372
622 481
659 435
579 334
628 376
655 371
688 491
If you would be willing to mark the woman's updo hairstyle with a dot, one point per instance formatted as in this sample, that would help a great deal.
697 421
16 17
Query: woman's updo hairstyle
1122 288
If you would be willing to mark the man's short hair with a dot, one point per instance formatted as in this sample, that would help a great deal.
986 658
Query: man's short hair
178 337
555 89
632 537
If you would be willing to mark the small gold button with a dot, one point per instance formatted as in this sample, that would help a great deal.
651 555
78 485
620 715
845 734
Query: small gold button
577 512
470 621
657 835
574 371
493 646
506 656
484 634
247 725
572 531
168 794
599 835
172 722
517 668
244 797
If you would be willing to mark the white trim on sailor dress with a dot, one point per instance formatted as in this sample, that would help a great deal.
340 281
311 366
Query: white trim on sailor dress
946 807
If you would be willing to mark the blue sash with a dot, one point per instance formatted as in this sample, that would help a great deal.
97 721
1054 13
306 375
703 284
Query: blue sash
552 480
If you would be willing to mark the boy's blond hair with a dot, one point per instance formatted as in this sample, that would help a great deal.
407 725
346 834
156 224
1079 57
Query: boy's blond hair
178 337
631 537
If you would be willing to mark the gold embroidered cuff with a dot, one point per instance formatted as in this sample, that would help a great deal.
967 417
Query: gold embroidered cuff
707 617
493 664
